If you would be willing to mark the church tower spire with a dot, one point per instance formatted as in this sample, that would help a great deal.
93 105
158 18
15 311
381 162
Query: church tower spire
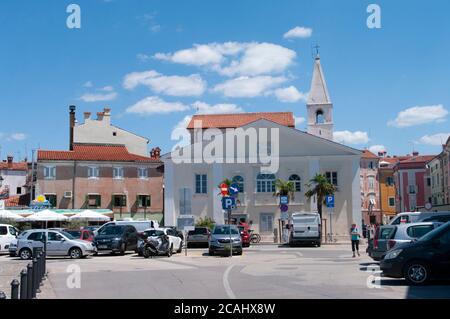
319 106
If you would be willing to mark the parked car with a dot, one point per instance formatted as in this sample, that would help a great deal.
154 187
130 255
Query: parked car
245 236
378 246
58 243
175 242
83 234
8 235
219 241
405 218
116 238
441 217
198 237
178 232
422 260
140 226
92 228
305 228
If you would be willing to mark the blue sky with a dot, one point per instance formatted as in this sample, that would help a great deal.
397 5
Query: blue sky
391 84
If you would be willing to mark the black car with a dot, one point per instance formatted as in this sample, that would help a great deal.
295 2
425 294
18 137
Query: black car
422 260
120 238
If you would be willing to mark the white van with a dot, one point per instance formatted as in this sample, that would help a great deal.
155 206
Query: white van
8 234
305 228
140 225
405 218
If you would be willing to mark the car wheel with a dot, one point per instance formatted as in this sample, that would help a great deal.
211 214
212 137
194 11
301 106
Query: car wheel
146 253
211 252
239 253
75 253
25 254
319 244
416 273
123 249
170 251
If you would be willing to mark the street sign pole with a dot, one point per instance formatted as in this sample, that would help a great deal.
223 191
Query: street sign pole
229 227
331 224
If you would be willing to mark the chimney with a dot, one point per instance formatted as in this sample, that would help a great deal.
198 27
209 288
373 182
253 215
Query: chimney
107 115
415 153
87 115
100 116
72 109
10 159
380 154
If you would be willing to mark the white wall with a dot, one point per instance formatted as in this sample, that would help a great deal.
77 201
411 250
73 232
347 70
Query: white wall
14 179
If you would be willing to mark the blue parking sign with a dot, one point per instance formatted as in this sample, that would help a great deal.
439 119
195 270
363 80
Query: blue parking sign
329 201
228 203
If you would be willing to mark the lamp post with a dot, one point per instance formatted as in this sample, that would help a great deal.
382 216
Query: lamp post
1 181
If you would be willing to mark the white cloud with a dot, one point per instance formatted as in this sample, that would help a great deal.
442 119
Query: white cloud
377 148
299 120
13 136
434 140
204 108
107 89
290 95
235 58
143 57
248 86
298 32
155 105
88 84
347 137
420 115
94 97
192 85
180 129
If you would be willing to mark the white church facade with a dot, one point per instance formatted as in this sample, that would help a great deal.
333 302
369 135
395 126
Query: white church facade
191 187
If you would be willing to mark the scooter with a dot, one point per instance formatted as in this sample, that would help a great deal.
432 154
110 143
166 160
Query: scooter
157 246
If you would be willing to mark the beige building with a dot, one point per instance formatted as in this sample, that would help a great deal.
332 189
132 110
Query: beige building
370 188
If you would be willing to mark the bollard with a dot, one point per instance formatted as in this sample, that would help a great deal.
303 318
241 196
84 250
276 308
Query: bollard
35 277
45 264
29 281
23 284
2 295
39 267
15 289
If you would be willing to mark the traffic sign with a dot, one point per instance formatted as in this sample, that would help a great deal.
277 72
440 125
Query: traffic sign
228 203
284 200
329 201
284 208
224 189
234 189
284 216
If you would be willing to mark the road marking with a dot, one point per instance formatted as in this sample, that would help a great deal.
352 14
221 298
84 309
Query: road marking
226 283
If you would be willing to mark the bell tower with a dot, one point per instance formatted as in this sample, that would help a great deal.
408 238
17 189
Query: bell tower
319 106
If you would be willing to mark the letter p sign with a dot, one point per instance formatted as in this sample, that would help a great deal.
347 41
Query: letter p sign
228 203
74 19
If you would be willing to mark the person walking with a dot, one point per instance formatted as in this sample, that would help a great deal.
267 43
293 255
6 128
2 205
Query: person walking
355 236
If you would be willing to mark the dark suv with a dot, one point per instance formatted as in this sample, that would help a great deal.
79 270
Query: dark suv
418 262
120 238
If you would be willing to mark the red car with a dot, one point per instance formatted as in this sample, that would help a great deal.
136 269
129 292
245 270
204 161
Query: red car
83 234
245 236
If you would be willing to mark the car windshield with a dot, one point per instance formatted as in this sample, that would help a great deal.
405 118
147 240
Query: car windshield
241 228
74 233
112 230
435 232
225 230
304 220
153 233
198 231
68 235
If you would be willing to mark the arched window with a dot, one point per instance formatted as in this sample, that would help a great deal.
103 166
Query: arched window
239 181
265 183
320 119
297 182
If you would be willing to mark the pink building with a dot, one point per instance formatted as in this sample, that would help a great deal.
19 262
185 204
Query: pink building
412 180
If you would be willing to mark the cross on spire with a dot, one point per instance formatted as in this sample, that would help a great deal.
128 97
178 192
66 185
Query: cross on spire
316 47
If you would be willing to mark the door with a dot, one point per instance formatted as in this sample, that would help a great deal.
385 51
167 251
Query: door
443 253
35 240
266 223
56 244
131 238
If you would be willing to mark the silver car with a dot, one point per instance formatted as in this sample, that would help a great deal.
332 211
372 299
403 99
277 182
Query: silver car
406 233
219 241
58 243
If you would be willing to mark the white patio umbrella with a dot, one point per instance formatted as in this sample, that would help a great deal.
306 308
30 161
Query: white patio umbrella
46 215
5 214
89 215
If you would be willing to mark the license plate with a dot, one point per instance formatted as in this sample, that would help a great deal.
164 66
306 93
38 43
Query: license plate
102 246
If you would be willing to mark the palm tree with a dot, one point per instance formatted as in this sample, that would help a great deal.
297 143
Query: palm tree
322 188
284 188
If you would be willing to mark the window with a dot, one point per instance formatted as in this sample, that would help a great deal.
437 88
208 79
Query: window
49 172
445 238
265 183
94 201
93 172
412 189
52 199
118 172
142 173
201 184
19 190
13 231
119 200
391 201
185 201
419 231
332 178
428 181
114 133
37 236
390 181
371 182
239 181
54 236
144 201
319 117
297 182
266 223
371 165
3 230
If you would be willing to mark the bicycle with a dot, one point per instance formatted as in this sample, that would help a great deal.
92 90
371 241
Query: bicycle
255 238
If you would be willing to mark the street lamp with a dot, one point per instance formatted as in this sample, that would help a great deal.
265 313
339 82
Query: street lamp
1 181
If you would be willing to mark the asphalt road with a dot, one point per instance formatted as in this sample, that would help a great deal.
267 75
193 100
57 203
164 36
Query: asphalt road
262 272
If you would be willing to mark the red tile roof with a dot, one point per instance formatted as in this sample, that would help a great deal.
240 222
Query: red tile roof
94 152
241 119
21 166
368 154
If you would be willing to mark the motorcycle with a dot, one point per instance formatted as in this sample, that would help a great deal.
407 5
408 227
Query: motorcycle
157 246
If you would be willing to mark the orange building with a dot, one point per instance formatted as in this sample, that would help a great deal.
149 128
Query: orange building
387 188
